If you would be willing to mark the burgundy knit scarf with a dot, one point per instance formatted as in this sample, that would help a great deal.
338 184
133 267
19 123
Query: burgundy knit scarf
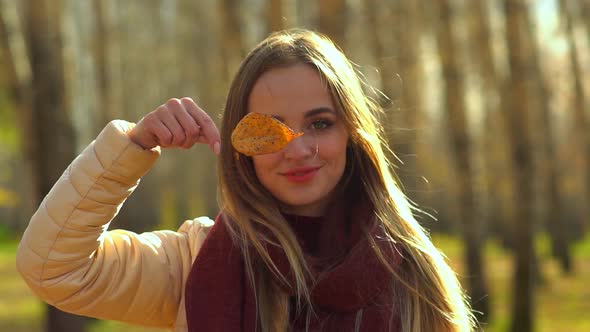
354 295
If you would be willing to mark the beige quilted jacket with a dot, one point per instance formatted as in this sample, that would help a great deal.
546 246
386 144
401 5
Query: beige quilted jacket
69 259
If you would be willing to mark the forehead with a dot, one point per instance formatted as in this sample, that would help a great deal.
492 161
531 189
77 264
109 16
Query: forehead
287 91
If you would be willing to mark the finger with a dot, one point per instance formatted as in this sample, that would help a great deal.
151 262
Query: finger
170 121
191 129
208 127
157 131
143 135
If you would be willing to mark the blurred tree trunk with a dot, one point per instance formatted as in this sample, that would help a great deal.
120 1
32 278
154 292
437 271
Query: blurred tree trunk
397 51
332 20
138 93
52 128
585 14
187 24
233 49
539 176
275 15
519 120
213 90
497 176
556 224
78 24
103 29
581 128
547 199
381 43
107 46
17 82
406 39
14 54
501 205
17 69
454 94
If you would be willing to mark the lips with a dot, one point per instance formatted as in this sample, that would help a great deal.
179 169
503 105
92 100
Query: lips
301 174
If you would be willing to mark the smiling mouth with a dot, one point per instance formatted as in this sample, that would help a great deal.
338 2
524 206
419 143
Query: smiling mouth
301 175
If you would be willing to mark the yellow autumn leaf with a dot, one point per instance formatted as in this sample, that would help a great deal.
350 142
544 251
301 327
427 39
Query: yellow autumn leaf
259 134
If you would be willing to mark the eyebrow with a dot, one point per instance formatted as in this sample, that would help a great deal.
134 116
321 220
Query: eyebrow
310 113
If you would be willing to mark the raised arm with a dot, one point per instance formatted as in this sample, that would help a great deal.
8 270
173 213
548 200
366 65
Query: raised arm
69 259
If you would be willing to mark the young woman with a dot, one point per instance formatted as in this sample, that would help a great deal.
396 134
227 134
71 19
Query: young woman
313 233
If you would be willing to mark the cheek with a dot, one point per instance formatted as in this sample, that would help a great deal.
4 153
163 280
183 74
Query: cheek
263 164
335 152
262 161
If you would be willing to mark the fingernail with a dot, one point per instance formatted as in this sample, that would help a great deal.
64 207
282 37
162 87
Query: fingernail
216 148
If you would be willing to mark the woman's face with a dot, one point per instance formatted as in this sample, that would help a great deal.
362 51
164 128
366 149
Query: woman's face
304 174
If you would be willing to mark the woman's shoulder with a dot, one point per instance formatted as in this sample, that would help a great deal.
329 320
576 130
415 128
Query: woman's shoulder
196 231
202 223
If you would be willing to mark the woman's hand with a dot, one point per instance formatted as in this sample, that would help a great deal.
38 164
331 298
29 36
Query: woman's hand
178 123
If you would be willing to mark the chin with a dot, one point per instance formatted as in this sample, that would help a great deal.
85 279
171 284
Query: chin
304 204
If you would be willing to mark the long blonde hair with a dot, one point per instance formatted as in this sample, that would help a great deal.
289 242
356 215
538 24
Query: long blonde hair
428 295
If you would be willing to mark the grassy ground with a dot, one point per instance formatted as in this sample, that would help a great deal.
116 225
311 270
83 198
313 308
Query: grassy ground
563 302
19 310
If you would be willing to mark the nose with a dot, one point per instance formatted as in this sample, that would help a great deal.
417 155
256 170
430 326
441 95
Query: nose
299 148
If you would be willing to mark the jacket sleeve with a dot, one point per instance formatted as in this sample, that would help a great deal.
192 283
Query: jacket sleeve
70 260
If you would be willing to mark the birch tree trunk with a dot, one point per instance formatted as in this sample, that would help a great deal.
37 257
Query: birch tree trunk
407 41
519 119
498 177
585 14
332 20
17 69
454 95
557 226
52 128
274 15
581 126
397 53
381 41
231 37
103 30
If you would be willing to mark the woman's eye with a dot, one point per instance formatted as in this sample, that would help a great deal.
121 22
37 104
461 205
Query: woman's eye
320 124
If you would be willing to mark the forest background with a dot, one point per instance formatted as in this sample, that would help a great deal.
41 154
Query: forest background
486 106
